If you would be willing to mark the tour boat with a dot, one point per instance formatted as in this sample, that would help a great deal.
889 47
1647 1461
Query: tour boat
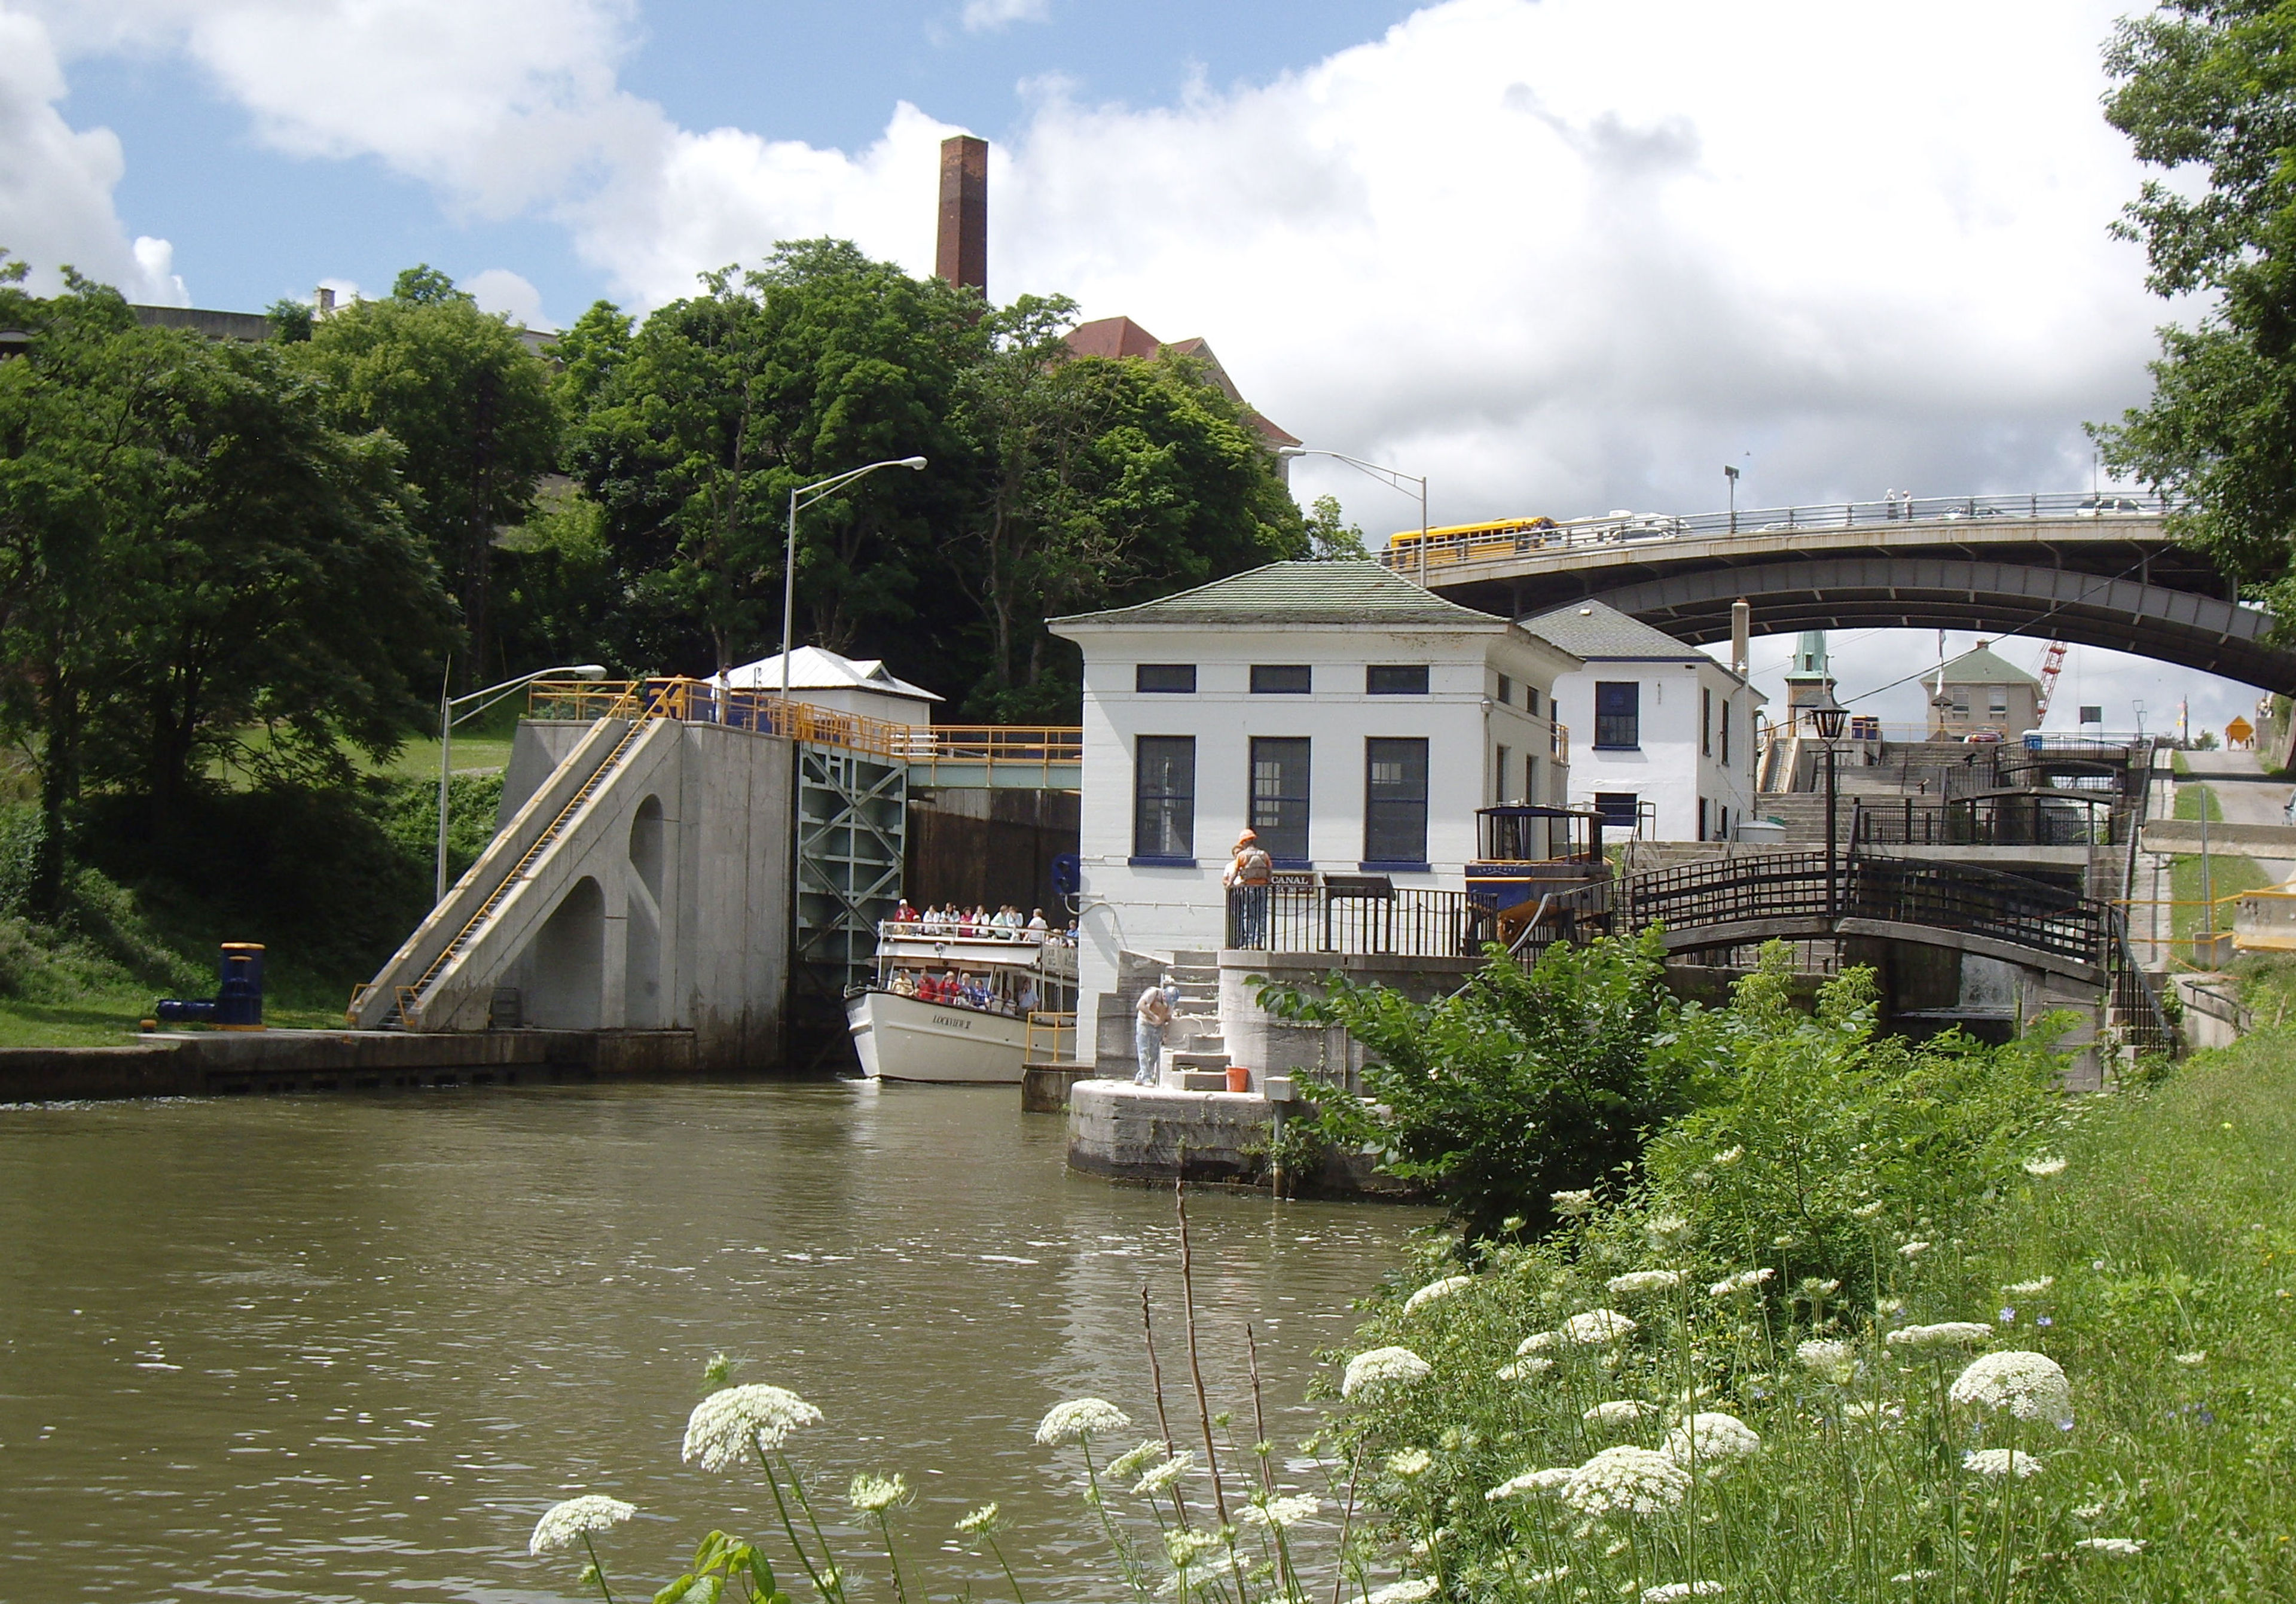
1018 997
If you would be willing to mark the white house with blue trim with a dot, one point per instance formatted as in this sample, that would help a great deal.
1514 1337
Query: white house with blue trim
1351 719
1664 734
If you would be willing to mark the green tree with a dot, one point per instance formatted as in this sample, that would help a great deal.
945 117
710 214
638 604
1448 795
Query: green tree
471 407
2204 91
1330 538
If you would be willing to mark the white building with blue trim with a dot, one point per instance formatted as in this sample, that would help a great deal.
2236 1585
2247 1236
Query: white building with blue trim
1352 719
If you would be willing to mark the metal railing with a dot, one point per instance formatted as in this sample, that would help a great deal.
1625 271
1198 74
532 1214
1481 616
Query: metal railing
2029 819
1051 1040
1507 540
1363 917
706 702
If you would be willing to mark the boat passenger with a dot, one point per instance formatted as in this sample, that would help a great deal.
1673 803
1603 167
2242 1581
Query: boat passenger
1037 929
905 914
903 986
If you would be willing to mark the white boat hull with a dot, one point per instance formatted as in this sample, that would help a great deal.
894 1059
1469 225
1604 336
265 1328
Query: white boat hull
899 1038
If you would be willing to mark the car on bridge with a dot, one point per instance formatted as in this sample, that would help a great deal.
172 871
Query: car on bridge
2109 506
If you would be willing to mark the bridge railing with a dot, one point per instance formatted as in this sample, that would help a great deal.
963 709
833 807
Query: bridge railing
1505 540
2030 818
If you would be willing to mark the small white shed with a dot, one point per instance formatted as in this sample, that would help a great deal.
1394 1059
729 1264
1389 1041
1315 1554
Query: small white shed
822 678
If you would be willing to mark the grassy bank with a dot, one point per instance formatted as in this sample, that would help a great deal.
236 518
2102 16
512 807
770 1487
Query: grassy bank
2228 874
1838 1346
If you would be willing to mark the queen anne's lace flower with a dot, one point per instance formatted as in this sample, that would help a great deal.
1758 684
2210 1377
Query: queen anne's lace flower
1569 1204
2117 1547
564 1525
2032 1387
870 1493
1745 1280
1597 1325
980 1522
1409 1592
1531 1481
1665 1592
1427 1293
1618 1411
1711 1436
1525 1369
1185 1547
1078 1419
2044 1167
1164 1474
2199 1356
1382 1365
1949 1334
1537 1341
721 1428
1723 1161
1282 1512
1628 1481
1913 1250
1667 1230
1998 1462
1828 1359
1636 1282
2033 1288
1410 1463
1126 1466
1544 1578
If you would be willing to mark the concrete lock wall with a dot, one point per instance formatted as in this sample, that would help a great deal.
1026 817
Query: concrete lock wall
662 904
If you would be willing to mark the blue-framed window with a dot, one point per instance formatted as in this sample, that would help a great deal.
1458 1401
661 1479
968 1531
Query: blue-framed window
1618 713
1164 799
1395 800
1279 797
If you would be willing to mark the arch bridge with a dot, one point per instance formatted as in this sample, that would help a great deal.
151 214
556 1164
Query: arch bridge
2094 570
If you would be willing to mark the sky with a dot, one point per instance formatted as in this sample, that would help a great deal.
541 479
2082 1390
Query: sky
1557 255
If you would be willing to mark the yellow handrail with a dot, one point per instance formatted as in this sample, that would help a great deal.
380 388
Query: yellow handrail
1060 1027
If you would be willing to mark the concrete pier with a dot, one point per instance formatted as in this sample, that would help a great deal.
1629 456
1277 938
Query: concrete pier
207 1064
1155 1133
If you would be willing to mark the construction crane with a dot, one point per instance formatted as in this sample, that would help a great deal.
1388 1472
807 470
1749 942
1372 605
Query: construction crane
2053 662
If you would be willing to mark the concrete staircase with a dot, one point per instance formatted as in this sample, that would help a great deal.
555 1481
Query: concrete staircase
1198 1060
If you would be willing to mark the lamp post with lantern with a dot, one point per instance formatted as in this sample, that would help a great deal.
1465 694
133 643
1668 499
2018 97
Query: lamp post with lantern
1829 716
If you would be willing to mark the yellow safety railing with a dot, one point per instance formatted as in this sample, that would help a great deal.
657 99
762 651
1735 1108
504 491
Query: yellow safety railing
705 701
1052 1039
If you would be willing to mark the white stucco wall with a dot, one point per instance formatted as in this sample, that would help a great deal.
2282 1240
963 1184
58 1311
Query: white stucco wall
1672 766
1158 908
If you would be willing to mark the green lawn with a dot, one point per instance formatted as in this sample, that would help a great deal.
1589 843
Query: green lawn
2190 798
2228 875
109 1019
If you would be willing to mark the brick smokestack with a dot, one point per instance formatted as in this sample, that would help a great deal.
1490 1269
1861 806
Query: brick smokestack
962 257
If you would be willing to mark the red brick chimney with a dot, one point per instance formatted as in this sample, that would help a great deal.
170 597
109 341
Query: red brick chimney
962 257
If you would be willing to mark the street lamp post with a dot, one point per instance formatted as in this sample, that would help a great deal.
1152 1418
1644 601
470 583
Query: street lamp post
1829 715
448 718
1395 478
805 496
1730 473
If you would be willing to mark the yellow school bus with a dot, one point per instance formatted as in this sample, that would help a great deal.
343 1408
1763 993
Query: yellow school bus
1468 542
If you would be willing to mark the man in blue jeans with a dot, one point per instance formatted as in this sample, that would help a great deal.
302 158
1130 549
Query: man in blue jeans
1151 1014
1248 878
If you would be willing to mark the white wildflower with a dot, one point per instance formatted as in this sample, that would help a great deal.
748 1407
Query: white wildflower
2032 1387
1164 1474
1882 1414
1828 1359
1665 1592
2117 1547
1126 1466
2000 1462
2044 1167
1282 1512
2198 1356
1427 1293
2088 1511
1913 1250
1411 1591
1536 1341
1630 1480
723 1426
1636 1282
1542 1578
1410 1463
1571 1204
1948 1334
981 1522
1619 1411
1723 1161
564 1525
1597 1325
1525 1369
1712 1437
1906 1578
1382 1365
1745 1280
1184 1548
1866 1211
1078 1419
1532 1481
1667 1230
872 1493
2033 1288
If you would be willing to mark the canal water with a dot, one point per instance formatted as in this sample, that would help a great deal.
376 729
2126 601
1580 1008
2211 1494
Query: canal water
349 1348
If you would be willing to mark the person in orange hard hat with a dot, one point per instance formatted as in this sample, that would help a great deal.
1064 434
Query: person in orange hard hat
1249 873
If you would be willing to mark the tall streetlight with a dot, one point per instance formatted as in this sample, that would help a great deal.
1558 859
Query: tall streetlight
1730 473
448 717
1829 715
1395 478
805 496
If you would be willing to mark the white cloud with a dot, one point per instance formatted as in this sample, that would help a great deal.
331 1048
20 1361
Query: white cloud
499 290
56 182
987 16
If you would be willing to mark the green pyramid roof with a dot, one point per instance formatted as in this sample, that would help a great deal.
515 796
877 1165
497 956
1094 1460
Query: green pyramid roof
1983 666
1300 593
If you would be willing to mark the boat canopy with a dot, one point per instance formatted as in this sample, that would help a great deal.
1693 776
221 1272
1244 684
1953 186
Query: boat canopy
1532 833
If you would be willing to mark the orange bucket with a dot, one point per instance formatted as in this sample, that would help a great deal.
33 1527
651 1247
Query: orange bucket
1239 1077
